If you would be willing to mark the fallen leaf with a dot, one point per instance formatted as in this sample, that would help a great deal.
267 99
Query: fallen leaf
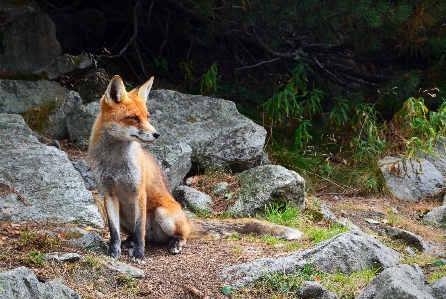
195 179
15 225
439 263
226 290
89 228
63 235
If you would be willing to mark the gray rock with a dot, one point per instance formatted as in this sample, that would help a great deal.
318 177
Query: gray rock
439 288
28 36
62 258
43 183
265 185
124 268
193 199
22 283
411 180
312 290
438 255
80 121
328 214
345 253
91 241
65 64
408 238
402 281
220 188
174 159
410 251
22 96
82 166
436 217
439 159
217 133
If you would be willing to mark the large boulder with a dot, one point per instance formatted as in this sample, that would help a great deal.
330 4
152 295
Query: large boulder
409 238
40 181
439 157
65 64
217 133
22 283
402 281
45 101
265 185
436 217
27 37
345 253
410 179
192 199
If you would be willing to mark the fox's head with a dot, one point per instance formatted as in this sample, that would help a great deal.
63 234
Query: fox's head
124 114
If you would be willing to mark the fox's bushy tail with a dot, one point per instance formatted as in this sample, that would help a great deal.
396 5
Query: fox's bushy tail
217 229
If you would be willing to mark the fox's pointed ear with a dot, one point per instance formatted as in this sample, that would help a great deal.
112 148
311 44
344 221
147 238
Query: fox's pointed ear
144 90
115 90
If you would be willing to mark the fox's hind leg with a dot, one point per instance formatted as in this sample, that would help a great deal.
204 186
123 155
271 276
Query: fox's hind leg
172 229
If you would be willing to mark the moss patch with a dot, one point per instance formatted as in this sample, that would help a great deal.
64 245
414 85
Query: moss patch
38 119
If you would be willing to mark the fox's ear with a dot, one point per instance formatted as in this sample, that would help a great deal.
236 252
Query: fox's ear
115 90
144 90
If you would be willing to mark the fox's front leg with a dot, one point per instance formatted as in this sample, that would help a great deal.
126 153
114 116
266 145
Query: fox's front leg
137 255
112 207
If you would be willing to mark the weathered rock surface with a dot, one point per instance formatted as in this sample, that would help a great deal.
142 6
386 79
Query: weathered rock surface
18 96
411 180
174 160
194 200
28 36
267 184
92 241
439 160
124 268
217 133
409 238
65 64
402 281
22 283
439 288
436 217
312 290
42 181
345 253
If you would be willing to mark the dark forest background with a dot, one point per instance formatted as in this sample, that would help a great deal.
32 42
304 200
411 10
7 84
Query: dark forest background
337 82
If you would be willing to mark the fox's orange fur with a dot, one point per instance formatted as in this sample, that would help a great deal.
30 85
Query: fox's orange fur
136 194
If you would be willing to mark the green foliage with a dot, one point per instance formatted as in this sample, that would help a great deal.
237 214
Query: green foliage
162 63
287 215
321 234
208 81
32 258
189 72
293 101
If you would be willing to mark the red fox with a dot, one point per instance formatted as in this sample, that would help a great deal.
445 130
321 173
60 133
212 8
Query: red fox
136 194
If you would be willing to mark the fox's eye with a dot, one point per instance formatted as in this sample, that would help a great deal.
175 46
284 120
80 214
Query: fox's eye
133 117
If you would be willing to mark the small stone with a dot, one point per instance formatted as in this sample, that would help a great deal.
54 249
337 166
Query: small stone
220 188
124 268
372 221
92 241
410 251
62 258
335 198
189 181
438 254
394 210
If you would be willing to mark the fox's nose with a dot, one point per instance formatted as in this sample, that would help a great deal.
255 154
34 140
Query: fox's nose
156 135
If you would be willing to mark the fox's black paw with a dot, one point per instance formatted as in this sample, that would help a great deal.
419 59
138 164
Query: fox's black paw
137 255
114 251
175 246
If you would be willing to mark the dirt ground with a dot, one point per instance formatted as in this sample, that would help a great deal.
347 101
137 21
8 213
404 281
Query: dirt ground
195 272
